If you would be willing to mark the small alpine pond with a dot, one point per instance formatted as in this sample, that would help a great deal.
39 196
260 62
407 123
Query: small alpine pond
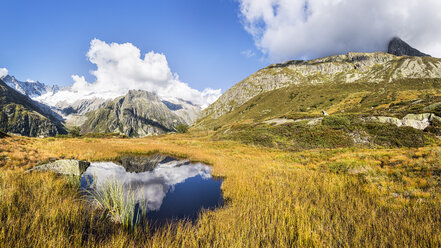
167 188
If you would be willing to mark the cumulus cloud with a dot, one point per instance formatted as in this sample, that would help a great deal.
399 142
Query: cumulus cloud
287 29
120 68
3 72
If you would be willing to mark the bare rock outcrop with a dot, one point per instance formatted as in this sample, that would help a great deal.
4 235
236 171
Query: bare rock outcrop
417 121
400 48
65 167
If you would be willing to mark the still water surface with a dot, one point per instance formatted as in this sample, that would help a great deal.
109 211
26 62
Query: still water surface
173 189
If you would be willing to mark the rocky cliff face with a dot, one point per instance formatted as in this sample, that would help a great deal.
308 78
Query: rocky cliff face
188 111
137 114
74 114
400 48
350 68
20 115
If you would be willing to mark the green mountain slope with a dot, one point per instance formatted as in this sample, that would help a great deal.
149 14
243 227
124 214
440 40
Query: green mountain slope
396 99
356 99
350 68
20 115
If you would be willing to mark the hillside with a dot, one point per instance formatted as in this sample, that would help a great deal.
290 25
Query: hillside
350 68
369 99
20 115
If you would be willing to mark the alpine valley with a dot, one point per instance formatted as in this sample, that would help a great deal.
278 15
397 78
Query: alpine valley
239 123
340 151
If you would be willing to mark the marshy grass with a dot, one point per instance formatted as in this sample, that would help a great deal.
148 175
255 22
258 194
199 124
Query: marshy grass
119 201
350 197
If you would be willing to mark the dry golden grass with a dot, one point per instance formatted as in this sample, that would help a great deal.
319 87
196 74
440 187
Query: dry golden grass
351 100
340 197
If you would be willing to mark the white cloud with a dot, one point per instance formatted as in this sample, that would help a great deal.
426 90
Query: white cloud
120 68
287 29
248 53
3 72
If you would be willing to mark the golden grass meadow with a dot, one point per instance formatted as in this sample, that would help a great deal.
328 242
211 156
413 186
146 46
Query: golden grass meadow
347 197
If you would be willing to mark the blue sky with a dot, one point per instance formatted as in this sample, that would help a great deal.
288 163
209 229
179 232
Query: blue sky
204 40
210 44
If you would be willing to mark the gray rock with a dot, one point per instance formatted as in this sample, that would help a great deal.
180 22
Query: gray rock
280 121
400 48
64 167
386 119
420 121
417 121
315 121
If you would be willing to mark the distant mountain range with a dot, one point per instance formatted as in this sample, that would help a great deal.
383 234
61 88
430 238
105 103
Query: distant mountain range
29 88
137 114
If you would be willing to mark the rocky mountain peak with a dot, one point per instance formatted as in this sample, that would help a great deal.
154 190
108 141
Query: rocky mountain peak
137 114
142 94
400 48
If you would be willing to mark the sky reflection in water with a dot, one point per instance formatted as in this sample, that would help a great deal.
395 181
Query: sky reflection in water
173 188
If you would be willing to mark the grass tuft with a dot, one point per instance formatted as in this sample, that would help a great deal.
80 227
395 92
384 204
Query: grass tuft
120 203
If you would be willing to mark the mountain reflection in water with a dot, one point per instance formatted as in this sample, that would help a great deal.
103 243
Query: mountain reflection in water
171 188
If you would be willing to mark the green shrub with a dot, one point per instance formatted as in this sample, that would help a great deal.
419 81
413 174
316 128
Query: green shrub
336 121
435 127
181 128
339 167
217 128
75 131
390 135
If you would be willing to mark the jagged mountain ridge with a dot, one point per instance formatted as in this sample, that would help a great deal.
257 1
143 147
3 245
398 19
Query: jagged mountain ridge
137 114
31 89
21 115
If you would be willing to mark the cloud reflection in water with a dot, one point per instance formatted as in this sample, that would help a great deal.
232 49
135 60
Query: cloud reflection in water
150 185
